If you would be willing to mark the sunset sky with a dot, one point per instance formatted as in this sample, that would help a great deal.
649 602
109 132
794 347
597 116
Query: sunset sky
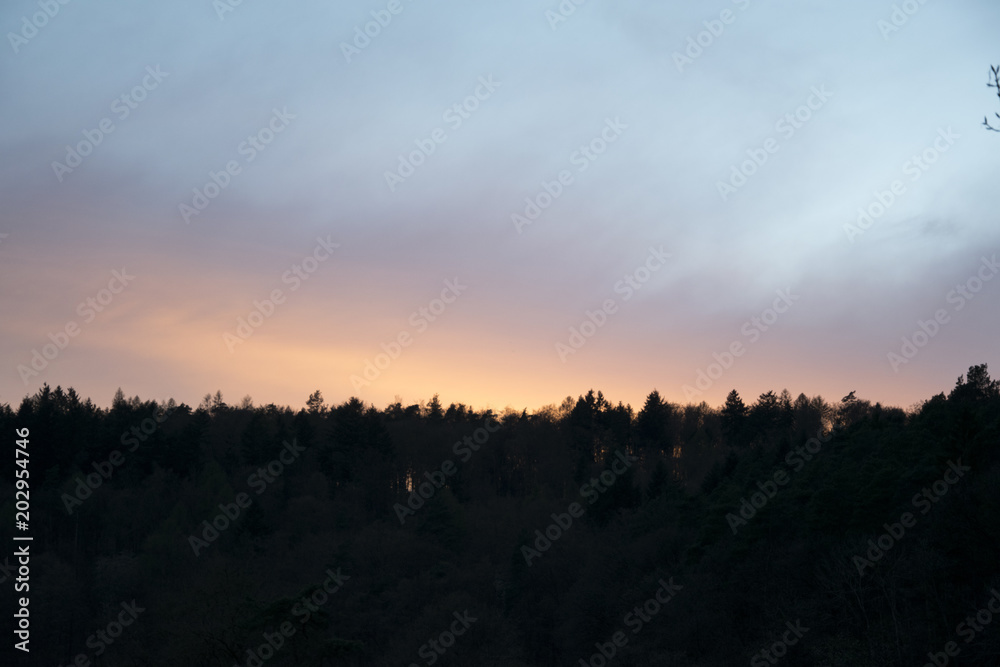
612 120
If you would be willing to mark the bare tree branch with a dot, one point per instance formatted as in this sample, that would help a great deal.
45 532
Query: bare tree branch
995 75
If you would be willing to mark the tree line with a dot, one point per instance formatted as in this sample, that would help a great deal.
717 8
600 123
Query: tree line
754 514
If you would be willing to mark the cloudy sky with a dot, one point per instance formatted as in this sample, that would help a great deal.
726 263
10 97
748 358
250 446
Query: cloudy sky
604 195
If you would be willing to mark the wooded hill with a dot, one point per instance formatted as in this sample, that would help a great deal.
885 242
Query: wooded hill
791 530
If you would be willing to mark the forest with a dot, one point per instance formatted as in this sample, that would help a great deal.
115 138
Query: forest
769 530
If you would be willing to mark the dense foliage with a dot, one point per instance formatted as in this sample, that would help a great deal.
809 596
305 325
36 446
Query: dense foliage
756 515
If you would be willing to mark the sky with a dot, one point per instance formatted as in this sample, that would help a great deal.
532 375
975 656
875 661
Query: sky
500 203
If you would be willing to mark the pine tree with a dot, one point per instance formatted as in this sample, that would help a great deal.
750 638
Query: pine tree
734 419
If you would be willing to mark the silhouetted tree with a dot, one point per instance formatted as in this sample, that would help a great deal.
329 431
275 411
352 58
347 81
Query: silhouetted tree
653 425
764 417
434 411
734 419
975 386
315 404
